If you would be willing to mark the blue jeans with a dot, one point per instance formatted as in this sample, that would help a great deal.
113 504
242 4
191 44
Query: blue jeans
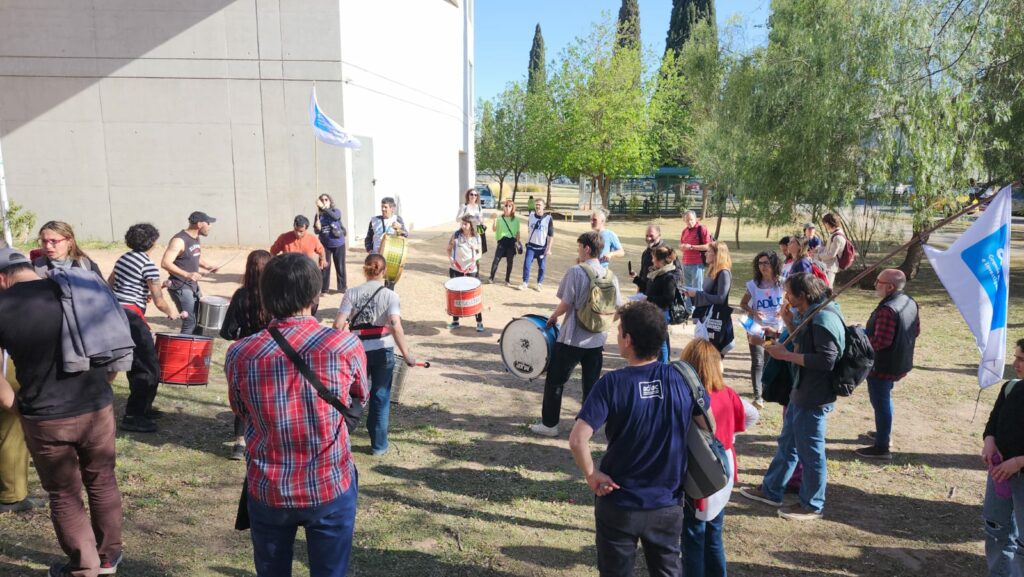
380 365
802 440
880 392
666 347
187 300
1004 548
693 277
703 551
542 263
329 529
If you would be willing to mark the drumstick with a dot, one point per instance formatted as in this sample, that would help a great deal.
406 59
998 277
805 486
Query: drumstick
233 257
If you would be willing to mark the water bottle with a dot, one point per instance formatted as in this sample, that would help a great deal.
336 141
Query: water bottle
1003 488
751 326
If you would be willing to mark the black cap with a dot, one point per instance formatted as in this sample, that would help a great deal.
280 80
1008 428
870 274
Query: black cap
200 216
10 257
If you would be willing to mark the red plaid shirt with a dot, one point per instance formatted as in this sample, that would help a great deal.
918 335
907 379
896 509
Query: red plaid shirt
886 322
298 446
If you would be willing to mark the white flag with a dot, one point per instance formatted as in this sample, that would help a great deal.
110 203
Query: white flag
327 130
976 272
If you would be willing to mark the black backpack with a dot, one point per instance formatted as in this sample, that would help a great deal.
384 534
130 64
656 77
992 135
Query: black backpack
853 366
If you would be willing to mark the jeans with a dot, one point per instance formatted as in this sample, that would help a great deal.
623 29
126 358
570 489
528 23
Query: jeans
880 392
337 254
756 369
703 551
564 359
506 250
802 439
187 300
693 277
1004 548
68 453
144 376
618 530
534 253
666 347
329 529
380 364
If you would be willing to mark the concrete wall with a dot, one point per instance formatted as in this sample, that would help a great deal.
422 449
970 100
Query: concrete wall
119 111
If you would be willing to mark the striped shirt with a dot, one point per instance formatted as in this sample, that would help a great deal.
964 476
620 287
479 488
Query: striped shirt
132 273
298 446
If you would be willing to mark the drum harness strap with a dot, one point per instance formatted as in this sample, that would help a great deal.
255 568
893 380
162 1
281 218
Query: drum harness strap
366 331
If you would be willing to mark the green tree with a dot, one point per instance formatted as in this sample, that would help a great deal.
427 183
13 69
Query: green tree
628 33
685 14
536 74
489 158
513 135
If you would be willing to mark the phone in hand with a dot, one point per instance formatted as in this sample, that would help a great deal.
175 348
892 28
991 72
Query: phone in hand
629 265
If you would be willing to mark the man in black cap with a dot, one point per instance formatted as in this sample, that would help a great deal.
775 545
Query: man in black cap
182 260
67 418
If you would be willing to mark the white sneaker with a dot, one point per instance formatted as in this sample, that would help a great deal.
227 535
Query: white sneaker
541 429
522 287
538 287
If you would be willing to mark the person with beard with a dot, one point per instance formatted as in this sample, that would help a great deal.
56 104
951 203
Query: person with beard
183 259
653 240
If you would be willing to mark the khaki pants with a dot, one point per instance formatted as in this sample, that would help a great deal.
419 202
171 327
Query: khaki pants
13 452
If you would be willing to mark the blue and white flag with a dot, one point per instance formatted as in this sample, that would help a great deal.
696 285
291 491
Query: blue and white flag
976 272
327 130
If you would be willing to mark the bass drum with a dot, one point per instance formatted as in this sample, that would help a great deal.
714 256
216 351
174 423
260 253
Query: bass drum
526 345
393 249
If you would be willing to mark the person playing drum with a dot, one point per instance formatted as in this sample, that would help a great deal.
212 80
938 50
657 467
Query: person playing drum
387 222
182 260
371 311
464 260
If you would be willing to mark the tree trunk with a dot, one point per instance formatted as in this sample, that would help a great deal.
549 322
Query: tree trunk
911 264
501 188
703 201
721 213
737 230
548 201
603 183
515 184
769 233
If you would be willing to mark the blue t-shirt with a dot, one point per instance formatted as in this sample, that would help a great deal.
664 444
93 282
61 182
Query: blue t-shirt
646 411
813 243
611 242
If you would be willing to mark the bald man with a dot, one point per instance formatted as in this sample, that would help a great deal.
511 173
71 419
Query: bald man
893 329
612 246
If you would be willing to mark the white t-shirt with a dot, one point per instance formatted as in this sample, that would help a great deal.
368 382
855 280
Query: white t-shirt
378 313
767 301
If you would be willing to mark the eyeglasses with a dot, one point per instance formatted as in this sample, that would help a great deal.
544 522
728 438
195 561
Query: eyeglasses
473 194
51 241
764 262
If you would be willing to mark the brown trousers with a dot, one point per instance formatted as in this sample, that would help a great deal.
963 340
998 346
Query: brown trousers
68 453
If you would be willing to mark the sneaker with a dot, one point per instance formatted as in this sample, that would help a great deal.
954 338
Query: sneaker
871 435
522 287
59 569
796 512
479 327
26 504
453 325
538 286
237 452
490 280
759 403
874 452
755 494
541 429
379 452
153 413
137 424
110 567
508 283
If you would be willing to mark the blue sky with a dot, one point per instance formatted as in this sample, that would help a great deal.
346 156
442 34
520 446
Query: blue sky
504 30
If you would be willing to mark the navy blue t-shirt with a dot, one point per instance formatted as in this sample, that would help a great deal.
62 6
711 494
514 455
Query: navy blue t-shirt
647 412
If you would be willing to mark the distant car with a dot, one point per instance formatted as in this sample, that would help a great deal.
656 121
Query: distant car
486 198
1017 203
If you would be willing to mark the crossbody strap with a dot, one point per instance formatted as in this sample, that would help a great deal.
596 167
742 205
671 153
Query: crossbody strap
696 388
366 304
314 380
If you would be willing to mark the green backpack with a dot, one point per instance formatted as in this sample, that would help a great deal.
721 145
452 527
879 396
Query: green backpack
596 314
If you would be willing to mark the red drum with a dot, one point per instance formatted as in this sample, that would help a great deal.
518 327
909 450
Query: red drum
464 296
184 359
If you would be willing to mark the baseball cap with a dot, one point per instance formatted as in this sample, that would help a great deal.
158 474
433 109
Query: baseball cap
808 225
9 257
200 216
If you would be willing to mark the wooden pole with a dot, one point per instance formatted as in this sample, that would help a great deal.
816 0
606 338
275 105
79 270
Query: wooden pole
919 237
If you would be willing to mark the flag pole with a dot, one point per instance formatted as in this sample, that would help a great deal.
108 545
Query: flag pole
316 160
917 238
5 205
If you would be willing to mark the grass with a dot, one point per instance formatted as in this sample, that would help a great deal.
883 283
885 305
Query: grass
466 491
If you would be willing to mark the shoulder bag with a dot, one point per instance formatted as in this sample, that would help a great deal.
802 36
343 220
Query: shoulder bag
707 465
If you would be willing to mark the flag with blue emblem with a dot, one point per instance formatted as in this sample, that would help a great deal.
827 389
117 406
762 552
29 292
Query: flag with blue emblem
976 272
327 130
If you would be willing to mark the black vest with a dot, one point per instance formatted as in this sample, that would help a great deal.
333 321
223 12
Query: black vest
188 260
898 359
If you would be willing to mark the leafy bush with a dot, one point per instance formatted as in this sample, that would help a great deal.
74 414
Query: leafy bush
22 222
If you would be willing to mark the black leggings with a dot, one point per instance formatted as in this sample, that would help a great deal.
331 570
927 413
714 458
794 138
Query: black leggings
506 250
452 273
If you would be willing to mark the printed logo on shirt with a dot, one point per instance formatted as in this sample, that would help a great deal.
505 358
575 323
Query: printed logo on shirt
195 250
650 390
768 302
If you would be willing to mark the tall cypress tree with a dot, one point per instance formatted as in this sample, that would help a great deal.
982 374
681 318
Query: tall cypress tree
629 25
537 76
685 13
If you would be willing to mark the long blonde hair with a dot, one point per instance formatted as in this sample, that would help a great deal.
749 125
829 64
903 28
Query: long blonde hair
707 361
722 259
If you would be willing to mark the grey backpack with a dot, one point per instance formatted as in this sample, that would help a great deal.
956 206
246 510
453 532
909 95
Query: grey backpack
707 465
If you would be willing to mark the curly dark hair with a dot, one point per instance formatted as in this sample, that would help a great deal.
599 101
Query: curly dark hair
776 265
141 237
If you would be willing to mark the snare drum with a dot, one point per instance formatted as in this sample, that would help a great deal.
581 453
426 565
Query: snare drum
464 296
184 359
526 344
393 249
212 312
